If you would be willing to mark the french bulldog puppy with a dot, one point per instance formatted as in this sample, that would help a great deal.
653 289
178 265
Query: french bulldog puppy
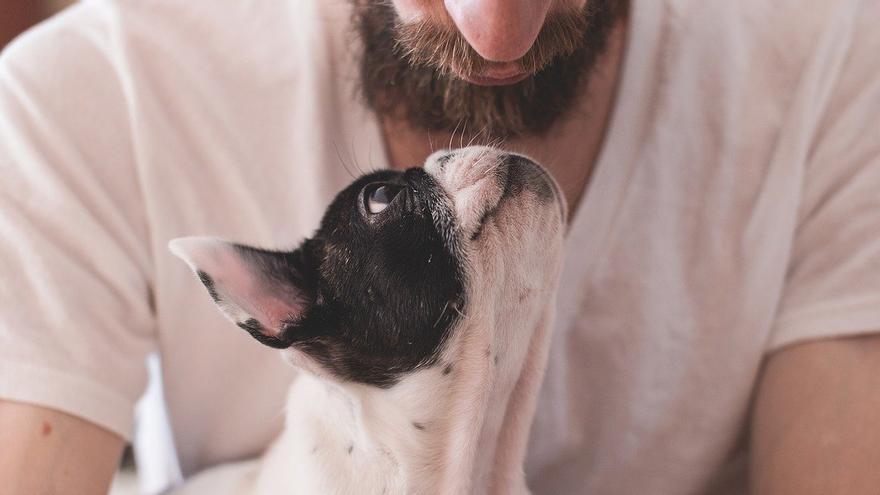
420 316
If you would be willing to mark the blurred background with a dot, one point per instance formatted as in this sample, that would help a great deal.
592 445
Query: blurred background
15 17
18 15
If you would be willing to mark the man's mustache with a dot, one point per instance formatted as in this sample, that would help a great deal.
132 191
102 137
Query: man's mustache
444 48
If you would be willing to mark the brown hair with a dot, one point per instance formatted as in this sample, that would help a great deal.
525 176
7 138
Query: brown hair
411 71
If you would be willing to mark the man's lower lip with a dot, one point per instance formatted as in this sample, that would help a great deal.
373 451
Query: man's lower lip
491 81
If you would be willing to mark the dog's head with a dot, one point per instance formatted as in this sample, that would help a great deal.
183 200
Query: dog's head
400 260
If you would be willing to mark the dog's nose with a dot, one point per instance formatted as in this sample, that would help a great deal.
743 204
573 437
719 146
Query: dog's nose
474 178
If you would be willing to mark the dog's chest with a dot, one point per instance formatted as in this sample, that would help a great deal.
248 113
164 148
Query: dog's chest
324 449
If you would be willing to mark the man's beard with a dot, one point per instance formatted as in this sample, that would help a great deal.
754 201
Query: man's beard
411 71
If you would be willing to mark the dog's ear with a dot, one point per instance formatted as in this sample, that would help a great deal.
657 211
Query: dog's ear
263 292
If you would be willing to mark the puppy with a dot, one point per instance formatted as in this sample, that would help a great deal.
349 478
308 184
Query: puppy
420 315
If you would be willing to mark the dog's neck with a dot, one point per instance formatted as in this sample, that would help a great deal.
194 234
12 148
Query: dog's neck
459 427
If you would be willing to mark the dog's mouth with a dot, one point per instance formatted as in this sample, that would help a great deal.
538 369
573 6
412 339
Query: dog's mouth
538 179
481 180
521 173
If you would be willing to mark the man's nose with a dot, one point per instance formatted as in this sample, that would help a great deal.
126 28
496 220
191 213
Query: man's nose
499 30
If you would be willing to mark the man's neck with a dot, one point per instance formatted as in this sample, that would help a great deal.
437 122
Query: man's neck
569 150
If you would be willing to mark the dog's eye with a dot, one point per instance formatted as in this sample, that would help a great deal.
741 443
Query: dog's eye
379 196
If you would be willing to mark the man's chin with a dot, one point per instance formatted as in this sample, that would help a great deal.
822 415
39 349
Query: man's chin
496 81
498 100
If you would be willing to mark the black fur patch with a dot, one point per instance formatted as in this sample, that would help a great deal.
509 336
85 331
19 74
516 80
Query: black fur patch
209 284
519 175
378 285
444 158
525 174
256 329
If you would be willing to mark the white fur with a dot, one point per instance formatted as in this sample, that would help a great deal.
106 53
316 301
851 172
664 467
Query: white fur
345 438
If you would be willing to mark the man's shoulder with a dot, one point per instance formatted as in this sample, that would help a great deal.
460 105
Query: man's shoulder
63 71
787 33
81 30
250 39
782 18
769 51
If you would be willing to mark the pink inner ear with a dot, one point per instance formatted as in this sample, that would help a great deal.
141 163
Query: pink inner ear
272 311
264 300
243 291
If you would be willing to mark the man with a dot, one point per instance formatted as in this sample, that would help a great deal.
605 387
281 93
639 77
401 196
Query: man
717 316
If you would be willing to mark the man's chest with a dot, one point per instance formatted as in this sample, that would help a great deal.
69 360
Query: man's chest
666 283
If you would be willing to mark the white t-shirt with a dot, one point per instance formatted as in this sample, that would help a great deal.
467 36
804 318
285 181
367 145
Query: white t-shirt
734 210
